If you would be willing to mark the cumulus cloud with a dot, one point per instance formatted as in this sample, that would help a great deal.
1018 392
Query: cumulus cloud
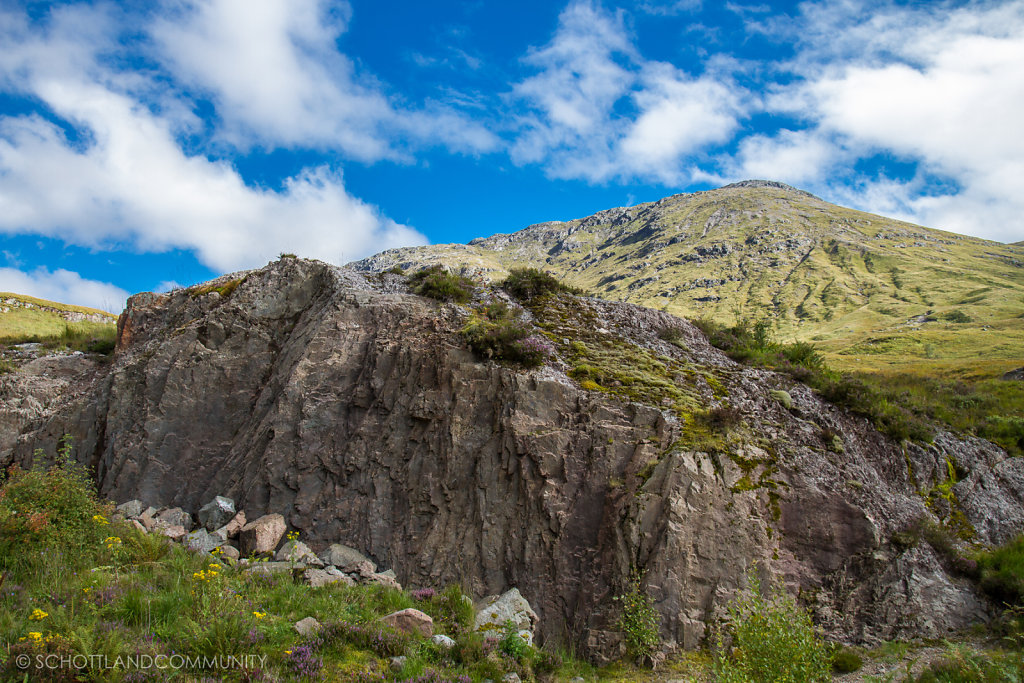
597 110
277 78
133 184
108 170
63 286
936 88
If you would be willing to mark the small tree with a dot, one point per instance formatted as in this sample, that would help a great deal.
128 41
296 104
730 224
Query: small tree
773 639
639 622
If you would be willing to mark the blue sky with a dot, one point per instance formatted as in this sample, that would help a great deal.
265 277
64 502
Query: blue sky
151 144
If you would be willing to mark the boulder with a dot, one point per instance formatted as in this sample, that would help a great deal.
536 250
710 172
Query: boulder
262 535
297 551
347 559
308 626
201 541
322 577
385 579
175 517
231 529
229 552
175 533
147 519
132 509
217 513
443 641
492 613
411 621
268 568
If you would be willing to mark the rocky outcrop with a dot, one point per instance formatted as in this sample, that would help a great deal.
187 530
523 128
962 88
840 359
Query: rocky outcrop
355 410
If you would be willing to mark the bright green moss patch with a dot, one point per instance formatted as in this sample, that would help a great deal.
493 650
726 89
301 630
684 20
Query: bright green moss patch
225 289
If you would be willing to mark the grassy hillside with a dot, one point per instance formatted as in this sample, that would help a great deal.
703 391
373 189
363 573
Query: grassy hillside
872 293
28 319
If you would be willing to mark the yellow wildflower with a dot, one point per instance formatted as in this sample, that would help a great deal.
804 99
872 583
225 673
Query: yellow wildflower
38 615
259 615
100 519
214 565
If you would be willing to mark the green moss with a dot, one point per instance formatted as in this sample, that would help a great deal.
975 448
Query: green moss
225 290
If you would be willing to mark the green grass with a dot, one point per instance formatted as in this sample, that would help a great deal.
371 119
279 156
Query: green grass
20 325
844 279
76 583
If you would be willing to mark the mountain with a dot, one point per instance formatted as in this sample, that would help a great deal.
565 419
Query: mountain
871 292
367 415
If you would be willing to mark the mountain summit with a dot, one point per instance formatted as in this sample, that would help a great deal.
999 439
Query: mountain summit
870 291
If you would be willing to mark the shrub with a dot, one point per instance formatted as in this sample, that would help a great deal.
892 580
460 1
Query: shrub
639 621
437 283
1002 573
752 343
450 608
527 284
495 332
773 639
283 255
55 508
721 418
846 660
673 334
511 643
957 316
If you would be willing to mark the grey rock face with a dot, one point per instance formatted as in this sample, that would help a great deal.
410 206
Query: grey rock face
217 513
356 411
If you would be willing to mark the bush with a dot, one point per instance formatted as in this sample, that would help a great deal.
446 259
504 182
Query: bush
639 622
495 332
721 419
846 660
437 283
1002 573
527 284
772 640
55 509
752 343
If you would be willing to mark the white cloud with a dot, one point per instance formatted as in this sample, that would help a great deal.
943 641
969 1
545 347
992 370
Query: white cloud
134 184
63 286
940 89
127 181
277 78
571 98
597 110
798 157
678 116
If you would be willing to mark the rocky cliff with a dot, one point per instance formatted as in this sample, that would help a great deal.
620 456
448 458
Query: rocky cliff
356 409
